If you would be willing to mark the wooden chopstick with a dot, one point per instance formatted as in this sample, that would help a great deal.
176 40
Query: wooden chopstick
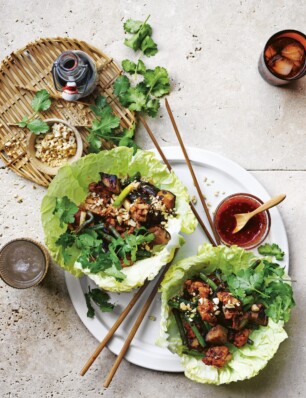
135 327
192 171
160 151
113 329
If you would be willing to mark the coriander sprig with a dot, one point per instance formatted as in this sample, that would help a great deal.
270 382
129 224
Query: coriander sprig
41 102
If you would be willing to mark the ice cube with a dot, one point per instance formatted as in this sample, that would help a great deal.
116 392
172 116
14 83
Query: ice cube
293 52
282 66
270 52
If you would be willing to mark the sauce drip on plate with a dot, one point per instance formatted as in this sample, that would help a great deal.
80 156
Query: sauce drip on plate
252 233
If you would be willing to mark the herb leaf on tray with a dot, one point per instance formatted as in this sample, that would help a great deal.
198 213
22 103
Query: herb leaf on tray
271 250
41 102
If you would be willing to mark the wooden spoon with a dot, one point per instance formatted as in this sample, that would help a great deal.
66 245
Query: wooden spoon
242 219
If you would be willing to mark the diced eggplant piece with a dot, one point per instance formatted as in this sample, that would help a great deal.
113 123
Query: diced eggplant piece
162 236
217 335
146 189
111 182
167 197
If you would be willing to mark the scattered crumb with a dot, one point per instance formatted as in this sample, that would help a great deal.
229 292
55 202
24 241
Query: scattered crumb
20 200
152 318
208 204
15 196
205 179
34 187
217 193
223 192
194 200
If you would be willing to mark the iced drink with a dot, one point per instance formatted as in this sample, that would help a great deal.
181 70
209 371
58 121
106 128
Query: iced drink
283 58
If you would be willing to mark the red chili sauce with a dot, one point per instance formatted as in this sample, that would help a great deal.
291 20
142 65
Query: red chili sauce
225 222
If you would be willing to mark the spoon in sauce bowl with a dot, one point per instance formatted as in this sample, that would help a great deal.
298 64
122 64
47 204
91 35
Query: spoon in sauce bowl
242 219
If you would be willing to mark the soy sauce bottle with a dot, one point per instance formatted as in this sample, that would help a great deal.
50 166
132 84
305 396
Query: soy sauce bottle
74 75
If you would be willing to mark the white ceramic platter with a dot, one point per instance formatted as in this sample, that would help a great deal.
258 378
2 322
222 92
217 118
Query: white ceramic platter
221 175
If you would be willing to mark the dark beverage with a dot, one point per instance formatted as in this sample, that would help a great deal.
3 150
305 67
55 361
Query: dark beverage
283 58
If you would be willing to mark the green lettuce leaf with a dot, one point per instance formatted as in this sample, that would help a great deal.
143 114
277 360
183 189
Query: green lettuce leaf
248 360
72 181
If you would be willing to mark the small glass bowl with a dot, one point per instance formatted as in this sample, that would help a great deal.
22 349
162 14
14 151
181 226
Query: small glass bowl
23 263
256 237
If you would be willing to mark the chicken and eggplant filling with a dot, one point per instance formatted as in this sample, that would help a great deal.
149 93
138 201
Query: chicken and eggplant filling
210 319
120 221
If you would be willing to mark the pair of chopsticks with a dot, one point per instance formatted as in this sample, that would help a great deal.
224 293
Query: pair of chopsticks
152 295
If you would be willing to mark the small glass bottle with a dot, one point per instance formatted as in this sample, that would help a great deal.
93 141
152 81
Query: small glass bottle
74 75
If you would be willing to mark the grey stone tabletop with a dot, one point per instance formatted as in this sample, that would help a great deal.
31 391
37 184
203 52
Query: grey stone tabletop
211 50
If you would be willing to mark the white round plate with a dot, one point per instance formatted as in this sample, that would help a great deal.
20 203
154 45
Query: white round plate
220 175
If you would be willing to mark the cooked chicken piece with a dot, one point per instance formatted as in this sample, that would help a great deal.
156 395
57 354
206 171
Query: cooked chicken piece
139 210
111 182
167 198
241 337
206 310
217 335
197 288
231 306
217 356
162 236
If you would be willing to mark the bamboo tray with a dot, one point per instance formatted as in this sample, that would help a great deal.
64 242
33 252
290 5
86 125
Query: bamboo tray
28 70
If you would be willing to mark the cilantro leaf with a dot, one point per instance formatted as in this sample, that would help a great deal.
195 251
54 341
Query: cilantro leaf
148 46
100 104
41 101
271 250
132 26
90 308
130 67
107 122
157 81
101 298
37 126
152 107
121 85
135 98
95 143
23 122
65 209
88 240
135 41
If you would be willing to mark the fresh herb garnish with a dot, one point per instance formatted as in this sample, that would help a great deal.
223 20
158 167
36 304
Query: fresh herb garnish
65 210
271 250
106 126
101 298
141 37
144 96
100 255
264 283
41 102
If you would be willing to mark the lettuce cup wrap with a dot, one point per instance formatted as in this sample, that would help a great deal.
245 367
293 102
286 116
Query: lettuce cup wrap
223 313
116 217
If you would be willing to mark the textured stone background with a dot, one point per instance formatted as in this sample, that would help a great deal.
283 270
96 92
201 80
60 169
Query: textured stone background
211 50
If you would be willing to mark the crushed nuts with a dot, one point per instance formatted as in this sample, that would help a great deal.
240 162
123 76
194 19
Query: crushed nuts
55 147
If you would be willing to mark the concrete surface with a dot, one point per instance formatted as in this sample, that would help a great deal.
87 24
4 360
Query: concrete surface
210 49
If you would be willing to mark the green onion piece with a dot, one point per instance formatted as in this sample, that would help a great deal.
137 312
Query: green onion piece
134 177
124 193
85 223
250 341
114 231
193 353
208 281
104 235
180 325
198 335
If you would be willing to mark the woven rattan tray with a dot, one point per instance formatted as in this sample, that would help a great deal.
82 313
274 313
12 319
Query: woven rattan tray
28 70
